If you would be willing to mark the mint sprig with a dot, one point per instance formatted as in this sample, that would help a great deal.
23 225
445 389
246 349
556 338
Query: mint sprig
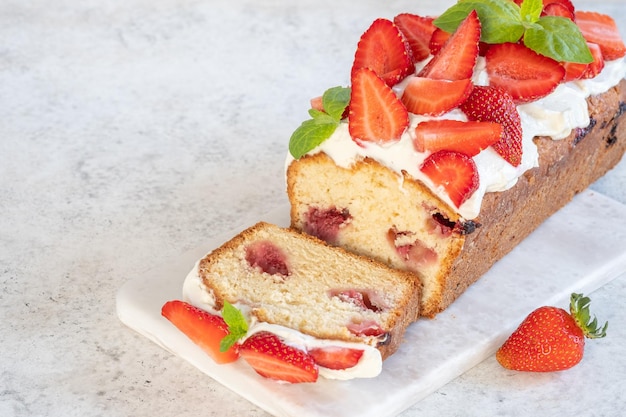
237 326
504 21
322 124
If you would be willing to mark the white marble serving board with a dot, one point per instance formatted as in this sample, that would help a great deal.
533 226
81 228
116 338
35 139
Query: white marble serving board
579 249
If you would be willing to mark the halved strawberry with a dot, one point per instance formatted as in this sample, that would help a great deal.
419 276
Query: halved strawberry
492 104
316 103
457 58
522 72
565 3
271 358
376 114
597 65
432 97
383 49
601 29
335 357
204 329
574 70
417 30
557 9
455 172
438 40
454 135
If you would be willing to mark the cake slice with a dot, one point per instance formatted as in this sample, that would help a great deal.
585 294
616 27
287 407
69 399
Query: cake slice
309 294
429 197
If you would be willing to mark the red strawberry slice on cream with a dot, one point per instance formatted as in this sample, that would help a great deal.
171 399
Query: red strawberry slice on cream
335 357
383 49
453 135
204 329
601 29
417 30
376 113
522 72
430 97
457 57
455 172
273 359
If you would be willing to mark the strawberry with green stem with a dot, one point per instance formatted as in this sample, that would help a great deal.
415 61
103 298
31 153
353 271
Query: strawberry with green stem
550 338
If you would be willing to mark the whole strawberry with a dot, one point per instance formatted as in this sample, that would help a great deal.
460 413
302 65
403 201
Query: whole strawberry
550 338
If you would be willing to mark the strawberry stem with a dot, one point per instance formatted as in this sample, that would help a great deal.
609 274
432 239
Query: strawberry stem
579 308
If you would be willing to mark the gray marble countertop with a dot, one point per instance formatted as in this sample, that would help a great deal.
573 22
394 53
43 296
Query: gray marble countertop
131 132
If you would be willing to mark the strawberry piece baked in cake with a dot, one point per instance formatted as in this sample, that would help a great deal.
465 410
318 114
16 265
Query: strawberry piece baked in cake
443 168
307 308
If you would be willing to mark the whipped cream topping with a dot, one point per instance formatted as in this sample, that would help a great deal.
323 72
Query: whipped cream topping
555 116
369 366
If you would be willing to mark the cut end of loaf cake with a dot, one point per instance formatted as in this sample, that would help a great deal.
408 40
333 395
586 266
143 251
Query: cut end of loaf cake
373 211
286 278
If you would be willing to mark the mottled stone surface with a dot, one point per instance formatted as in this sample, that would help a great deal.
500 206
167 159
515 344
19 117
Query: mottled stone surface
132 132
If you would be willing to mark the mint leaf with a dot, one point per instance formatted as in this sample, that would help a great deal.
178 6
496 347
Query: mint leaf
558 38
335 100
309 135
530 10
237 326
315 131
500 20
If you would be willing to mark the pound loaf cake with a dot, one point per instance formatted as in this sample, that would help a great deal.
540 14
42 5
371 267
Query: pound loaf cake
307 292
452 144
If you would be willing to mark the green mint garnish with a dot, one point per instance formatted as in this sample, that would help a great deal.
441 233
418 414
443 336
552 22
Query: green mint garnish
322 124
504 21
237 326
500 19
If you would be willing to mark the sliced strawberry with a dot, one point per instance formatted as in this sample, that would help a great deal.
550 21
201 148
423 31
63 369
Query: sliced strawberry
567 4
594 68
335 357
316 103
455 172
271 358
438 40
417 30
366 300
366 328
204 329
522 72
268 257
376 113
383 49
601 29
453 135
492 104
415 253
558 9
574 70
432 97
457 58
